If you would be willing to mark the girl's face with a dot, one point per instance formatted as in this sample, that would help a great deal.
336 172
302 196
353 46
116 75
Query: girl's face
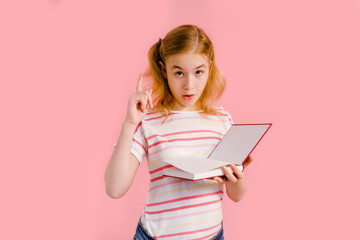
187 75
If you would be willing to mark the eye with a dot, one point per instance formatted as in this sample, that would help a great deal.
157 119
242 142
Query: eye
177 73
199 72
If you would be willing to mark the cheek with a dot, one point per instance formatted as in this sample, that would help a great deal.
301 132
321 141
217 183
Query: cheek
204 82
172 86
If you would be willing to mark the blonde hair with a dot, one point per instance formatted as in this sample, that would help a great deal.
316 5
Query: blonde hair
184 39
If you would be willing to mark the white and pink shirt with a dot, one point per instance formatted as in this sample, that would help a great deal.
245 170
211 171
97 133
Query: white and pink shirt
177 208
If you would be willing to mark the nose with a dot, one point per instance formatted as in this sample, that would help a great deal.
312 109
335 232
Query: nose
188 83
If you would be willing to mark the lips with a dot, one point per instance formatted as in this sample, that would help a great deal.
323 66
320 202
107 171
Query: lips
188 97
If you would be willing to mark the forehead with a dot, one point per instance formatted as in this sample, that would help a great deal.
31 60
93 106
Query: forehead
186 61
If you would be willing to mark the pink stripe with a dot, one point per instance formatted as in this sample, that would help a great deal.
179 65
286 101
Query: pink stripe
218 114
149 119
172 119
205 237
140 144
185 233
176 133
183 207
182 146
164 184
150 113
184 198
181 118
161 168
182 215
157 178
153 118
182 139
139 124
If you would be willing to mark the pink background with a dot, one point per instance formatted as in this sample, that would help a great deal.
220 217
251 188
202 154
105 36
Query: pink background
68 67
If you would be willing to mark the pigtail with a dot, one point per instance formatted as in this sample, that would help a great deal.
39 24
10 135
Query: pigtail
163 99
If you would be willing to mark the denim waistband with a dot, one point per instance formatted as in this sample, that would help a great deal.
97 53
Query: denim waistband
142 234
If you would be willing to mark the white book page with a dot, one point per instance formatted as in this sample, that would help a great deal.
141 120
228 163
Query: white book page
238 142
175 172
195 164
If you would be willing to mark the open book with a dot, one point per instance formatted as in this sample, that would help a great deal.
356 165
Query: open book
236 145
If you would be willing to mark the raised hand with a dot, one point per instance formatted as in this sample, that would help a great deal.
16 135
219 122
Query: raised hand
138 104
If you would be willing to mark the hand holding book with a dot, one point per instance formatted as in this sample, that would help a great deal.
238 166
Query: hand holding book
234 181
235 174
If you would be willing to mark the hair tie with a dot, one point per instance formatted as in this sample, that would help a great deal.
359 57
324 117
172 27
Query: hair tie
157 49
158 43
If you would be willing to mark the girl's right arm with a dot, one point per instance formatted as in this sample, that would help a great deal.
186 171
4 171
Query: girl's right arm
122 165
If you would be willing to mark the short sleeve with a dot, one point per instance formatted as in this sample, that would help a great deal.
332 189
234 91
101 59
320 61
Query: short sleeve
230 118
139 144
229 121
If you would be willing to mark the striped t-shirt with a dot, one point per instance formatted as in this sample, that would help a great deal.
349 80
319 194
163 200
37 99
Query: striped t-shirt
177 208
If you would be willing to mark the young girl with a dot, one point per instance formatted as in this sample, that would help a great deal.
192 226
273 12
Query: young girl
183 122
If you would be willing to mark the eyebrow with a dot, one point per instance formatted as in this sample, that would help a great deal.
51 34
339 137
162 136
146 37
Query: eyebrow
174 66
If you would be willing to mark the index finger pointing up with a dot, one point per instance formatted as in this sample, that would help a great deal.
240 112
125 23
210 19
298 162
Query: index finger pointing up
139 84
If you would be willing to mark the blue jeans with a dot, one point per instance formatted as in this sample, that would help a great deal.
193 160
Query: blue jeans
141 234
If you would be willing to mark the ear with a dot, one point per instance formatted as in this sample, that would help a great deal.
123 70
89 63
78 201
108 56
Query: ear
163 69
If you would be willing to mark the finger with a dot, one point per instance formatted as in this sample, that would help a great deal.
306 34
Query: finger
139 84
229 175
219 180
148 93
237 171
145 106
142 104
248 160
151 101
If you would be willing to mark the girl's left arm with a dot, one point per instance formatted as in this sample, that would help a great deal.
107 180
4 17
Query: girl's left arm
235 182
